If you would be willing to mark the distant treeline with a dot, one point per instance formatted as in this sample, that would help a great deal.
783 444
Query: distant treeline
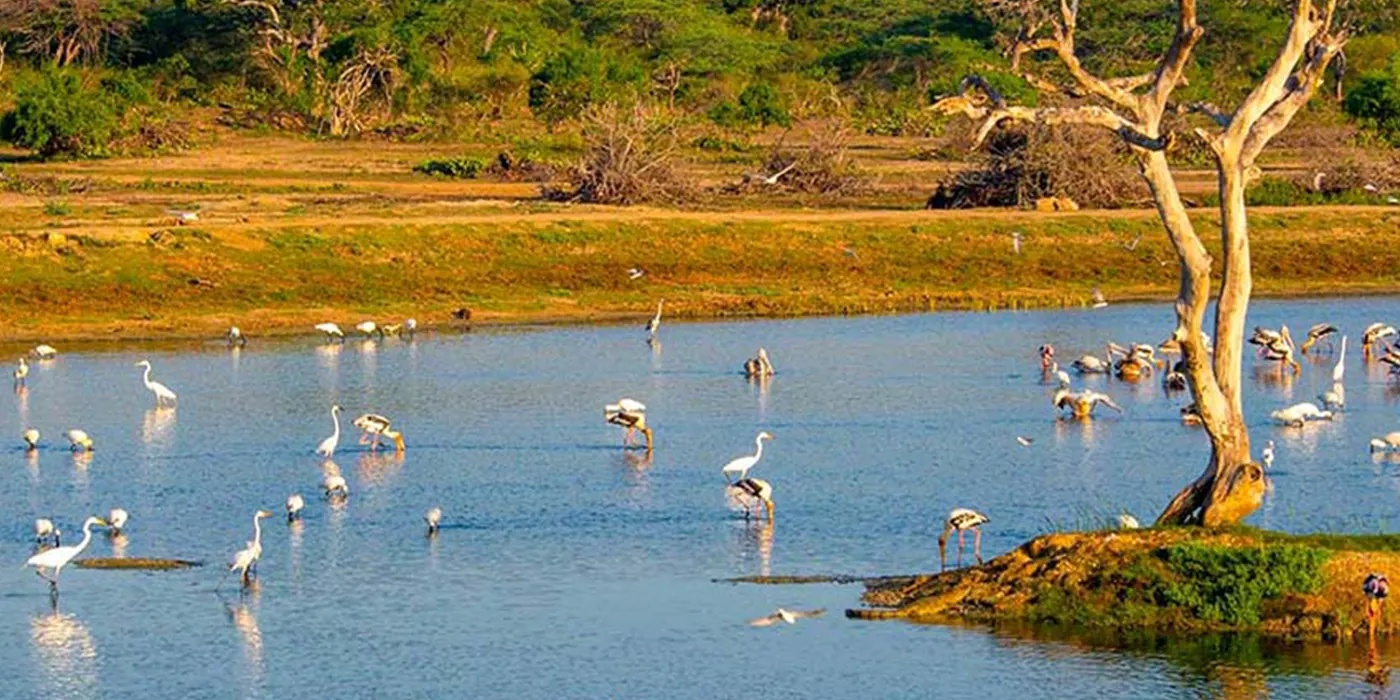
125 71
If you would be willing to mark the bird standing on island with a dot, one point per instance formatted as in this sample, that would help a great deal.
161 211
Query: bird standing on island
961 519
738 469
1376 587
784 615
58 557
164 396
245 561
632 415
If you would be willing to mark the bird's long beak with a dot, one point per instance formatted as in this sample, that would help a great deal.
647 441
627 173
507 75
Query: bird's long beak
103 522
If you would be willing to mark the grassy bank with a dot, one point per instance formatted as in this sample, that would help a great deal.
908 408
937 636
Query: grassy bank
89 273
1166 580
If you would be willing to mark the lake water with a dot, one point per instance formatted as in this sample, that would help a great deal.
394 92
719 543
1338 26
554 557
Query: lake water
568 568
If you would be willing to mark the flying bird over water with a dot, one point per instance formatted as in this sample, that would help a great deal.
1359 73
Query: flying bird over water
784 615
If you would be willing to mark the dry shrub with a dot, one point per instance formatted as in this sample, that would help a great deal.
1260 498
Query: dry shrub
629 158
1336 170
512 168
822 165
1021 164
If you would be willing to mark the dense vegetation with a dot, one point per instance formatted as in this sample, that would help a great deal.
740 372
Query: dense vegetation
78 69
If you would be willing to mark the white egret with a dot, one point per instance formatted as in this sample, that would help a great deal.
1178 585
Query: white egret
164 396
31 439
58 557
1300 413
78 441
369 329
245 561
784 615
1127 522
632 415
335 485
1335 399
749 493
434 518
962 519
331 330
655 323
235 337
376 426
294 505
327 447
44 531
44 352
21 372
116 520
740 467
1082 404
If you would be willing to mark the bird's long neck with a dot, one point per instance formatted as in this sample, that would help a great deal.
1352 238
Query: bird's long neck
335 418
87 536
758 454
146 376
257 531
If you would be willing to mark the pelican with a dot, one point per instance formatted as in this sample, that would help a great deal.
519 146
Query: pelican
1127 522
749 492
1061 376
1373 334
655 323
1316 333
1300 413
759 366
331 330
335 485
961 519
1047 357
245 561
739 468
78 441
369 329
294 505
1088 364
235 337
1082 404
44 352
116 520
632 415
376 426
327 447
1267 456
31 439
44 531
1389 443
784 615
433 518
1277 346
58 557
21 372
163 393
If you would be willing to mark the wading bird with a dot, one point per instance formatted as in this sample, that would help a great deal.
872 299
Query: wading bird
1374 333
44 352
1335 399
44 532
294 505
739 469
1175 380
331 330
1089 364
327 447
376 426
31 439
1098 298
58 557
368 329
1127 522
1277 346
962 519
335 485
1081 404
1389 443
21 372
1047 357
1300 413
749 493
1316 333
632 415
433 518
164 396
635 273
1376 588
116 520
759 366
235 337
245 561
654 324
78 441
1267 456
784 615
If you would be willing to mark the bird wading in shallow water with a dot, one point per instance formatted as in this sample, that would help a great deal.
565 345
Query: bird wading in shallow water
78 441
1300 413
631 415
1374 333
116 520
164 396
55 559
375 427
1376 588
749 493
1081 404
331 331
1319 332
21 372
327 447
434 520
961 520
245 561
654 324
31 440
738 469
45 533
295 503
235 337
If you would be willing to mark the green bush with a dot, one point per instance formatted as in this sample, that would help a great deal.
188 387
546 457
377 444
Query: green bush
759 105
1375 101
1229 584
57 114
464 167
1279 192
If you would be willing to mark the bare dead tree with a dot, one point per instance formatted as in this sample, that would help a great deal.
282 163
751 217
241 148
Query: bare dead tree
291 33
369 71
1133 107
62 31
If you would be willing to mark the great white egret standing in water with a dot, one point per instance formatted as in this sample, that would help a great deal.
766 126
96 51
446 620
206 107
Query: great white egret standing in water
245 561
58 557
164 396
739 468
962 519
327 447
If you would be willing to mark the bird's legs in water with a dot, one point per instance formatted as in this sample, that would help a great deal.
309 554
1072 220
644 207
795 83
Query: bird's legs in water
630 437
960 549
53 582
977 544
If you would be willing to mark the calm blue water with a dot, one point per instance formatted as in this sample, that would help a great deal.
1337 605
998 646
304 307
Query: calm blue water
567 568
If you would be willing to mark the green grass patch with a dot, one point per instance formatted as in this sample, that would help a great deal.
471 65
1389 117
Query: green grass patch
465 167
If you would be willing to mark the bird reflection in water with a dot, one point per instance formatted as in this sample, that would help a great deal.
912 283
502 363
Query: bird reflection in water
157 424
243 615
1067 426
376 468
755 541
31 463
328 355
66 655
119 542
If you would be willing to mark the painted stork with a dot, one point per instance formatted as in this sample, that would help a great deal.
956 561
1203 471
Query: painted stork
369 329
631 415
331 331
1373 334
1317 333
376 426
31 439
434 519
78 441
335 485
749 493
759 366
44 532
116 520
962 520
295 504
